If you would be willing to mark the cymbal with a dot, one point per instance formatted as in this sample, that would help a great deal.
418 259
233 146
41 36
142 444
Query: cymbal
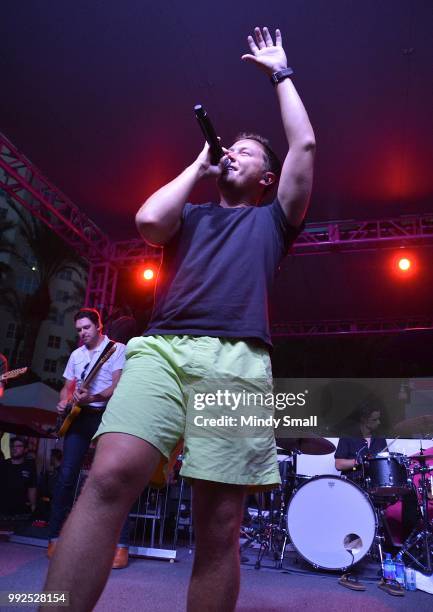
307 446
419 425
420 457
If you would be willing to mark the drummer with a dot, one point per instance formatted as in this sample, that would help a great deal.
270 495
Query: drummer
351 451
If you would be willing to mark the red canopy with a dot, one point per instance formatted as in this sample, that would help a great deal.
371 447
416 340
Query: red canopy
25 421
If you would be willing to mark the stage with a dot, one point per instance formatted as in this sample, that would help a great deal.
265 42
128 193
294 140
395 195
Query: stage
160 586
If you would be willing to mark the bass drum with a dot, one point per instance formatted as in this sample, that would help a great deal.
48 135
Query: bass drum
331 522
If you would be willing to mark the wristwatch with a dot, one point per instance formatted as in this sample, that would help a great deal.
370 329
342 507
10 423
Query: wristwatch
279 76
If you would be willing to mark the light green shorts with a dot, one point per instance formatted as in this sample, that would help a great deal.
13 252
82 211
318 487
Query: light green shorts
176 387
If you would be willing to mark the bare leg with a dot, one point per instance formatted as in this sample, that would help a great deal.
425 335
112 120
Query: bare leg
82 561
217 512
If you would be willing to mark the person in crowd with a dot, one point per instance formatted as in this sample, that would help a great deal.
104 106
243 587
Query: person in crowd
18 480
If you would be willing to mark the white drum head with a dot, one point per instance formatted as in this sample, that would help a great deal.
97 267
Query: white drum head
329 519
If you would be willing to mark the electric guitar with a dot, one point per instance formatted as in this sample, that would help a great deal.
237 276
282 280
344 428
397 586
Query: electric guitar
12 374
72 410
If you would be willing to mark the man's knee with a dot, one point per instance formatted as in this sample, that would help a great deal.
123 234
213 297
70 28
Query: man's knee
110 483
220 531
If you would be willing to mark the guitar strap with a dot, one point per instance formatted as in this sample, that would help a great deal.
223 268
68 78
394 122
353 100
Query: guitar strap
104 352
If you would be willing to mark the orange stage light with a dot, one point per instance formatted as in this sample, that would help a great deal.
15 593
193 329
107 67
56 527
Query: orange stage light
145 275
404 264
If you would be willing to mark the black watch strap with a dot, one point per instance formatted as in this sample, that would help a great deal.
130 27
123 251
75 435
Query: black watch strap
279 76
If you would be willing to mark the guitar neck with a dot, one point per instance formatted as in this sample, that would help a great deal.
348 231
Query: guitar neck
92 375
98 366
12 374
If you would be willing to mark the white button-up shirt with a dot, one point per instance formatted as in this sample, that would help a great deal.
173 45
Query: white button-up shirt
80 361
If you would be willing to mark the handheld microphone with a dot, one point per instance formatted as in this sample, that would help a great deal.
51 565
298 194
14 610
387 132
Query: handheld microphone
216 150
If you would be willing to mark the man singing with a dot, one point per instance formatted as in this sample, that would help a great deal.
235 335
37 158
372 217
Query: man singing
209 322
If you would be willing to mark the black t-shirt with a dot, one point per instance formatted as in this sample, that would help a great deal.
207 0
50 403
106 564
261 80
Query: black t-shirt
217 272
15 480
357 448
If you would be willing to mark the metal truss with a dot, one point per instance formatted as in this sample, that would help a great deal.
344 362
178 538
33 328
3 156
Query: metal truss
322 238
317 238
101 286
133 251
351 235
25 183
348 327
22 181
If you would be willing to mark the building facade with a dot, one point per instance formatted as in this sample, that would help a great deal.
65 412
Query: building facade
46 346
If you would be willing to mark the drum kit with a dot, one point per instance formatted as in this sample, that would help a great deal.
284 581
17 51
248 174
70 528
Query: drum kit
333 522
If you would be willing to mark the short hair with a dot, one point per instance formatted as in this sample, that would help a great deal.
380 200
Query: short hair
272 161
89 313
18 439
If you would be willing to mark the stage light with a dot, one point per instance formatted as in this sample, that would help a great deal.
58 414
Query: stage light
145 275
404 264
148 274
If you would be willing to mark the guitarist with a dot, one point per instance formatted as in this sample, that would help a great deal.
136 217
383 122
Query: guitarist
92 401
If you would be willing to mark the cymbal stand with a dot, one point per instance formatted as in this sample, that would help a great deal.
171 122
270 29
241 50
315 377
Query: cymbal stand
271 534
260 535
279 533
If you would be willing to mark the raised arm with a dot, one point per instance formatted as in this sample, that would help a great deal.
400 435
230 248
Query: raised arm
296 179
159 217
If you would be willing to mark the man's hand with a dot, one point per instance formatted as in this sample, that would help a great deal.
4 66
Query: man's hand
61 406
265 54
81 396
205 167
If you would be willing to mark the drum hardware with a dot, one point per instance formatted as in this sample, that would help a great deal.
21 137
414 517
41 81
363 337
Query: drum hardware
419 545
362 536
306 513
314 445
268 535
415 426
384 535
386 474
318 512
270 532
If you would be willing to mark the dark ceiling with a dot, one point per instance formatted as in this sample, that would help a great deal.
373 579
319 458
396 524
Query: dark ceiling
99 95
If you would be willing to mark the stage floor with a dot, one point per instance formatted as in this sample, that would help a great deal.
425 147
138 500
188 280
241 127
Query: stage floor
160 586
